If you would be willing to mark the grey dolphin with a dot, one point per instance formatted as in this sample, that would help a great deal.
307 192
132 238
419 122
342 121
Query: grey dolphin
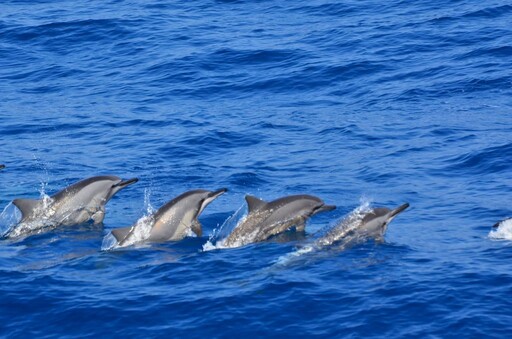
172 221
76 204
369 224
266 219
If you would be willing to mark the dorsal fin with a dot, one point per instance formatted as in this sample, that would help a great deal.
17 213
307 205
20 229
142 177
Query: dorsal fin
121 233
26 206
254 203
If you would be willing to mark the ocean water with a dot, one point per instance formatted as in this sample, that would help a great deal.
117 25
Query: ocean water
353 102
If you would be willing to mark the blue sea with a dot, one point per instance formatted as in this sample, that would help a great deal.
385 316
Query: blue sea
355 102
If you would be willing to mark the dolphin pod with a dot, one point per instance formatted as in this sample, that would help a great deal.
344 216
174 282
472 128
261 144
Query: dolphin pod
85 201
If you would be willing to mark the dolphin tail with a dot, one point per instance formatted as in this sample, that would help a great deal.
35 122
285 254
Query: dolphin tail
26 206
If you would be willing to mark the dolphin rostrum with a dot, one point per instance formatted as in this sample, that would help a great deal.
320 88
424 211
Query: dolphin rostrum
371 223
265 219
172 221
76 204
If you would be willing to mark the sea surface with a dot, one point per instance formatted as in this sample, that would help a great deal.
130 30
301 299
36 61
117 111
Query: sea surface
355 102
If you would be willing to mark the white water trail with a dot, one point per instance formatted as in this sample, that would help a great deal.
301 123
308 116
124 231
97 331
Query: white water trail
503 231
42 217
9 218
139 232
220 234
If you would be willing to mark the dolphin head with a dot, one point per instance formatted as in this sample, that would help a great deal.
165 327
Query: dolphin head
375 222
204 199
118 184
304 205
102 187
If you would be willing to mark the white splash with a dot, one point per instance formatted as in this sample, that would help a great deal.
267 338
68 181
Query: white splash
219 235
9 218
503 231
41 220
347 224
139 232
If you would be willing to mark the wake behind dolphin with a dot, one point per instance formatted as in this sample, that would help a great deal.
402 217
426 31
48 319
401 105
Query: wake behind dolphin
76 204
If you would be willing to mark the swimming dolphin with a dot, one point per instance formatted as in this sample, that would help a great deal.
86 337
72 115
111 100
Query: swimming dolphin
2 166
266 219
172 221
369 224
76 204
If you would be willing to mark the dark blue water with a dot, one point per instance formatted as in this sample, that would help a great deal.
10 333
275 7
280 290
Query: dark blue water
390 102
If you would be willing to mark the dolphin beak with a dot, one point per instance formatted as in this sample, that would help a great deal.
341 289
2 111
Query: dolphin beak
211 196
398 210
324 208
125 183
216 193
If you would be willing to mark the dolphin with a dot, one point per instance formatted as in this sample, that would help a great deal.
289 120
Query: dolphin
266 219
368 224
2 167
172 221
76 204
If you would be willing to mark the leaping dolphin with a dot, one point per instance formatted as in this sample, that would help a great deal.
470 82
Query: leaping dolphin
265 219
76 204
171 222
369 224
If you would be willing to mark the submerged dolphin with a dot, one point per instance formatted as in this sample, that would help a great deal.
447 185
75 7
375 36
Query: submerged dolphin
369 224
76 204
172 221
266 219
2 167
